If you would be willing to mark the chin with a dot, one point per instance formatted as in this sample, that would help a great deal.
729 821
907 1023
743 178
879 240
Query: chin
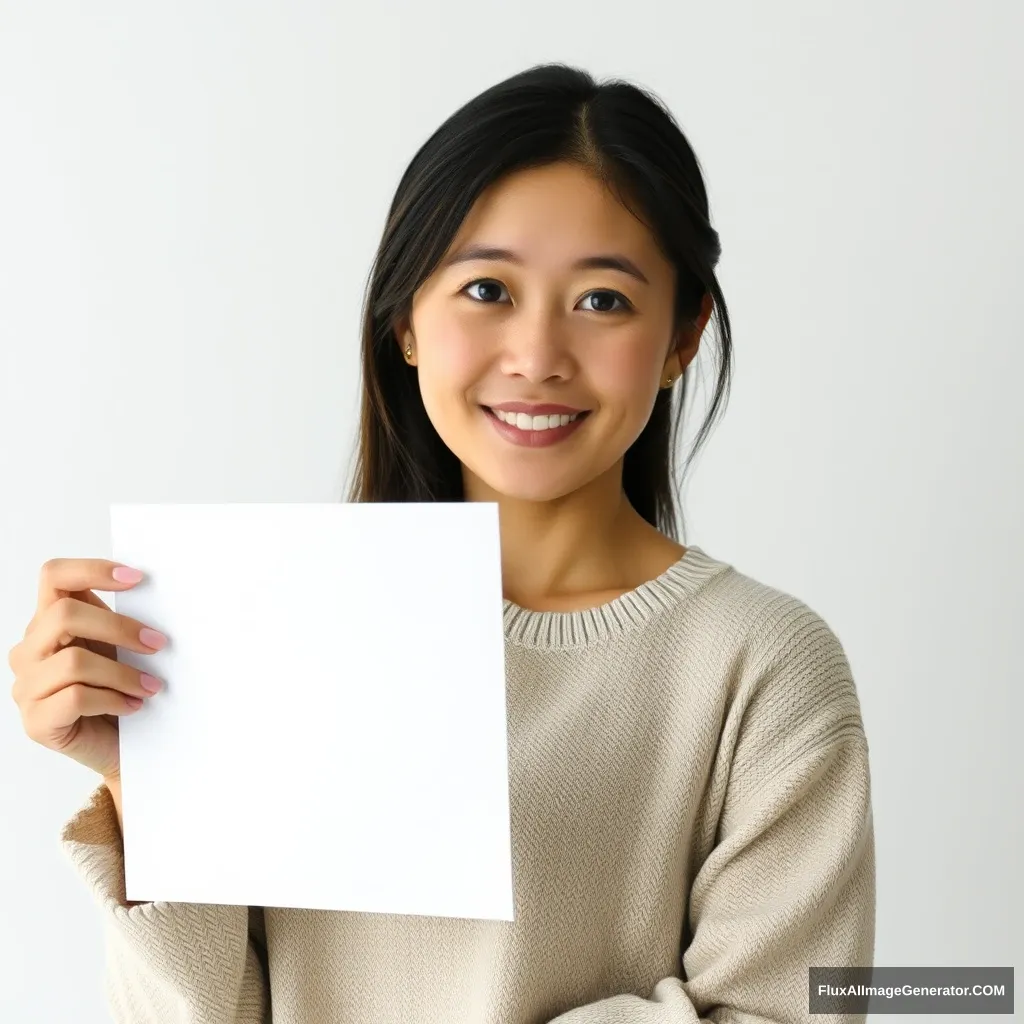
520 486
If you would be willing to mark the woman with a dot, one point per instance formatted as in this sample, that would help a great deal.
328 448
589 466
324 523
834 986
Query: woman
689 779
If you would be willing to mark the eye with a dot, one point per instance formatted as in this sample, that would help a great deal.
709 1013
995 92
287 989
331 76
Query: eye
480 281
606 292
615 297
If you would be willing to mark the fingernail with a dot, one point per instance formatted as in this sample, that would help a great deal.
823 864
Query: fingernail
151 638
150 683
125 574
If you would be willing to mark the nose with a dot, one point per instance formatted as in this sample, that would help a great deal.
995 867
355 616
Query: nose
537 345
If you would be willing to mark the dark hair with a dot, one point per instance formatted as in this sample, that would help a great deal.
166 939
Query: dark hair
549 113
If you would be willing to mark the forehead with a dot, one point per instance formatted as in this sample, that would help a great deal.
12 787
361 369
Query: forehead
553 214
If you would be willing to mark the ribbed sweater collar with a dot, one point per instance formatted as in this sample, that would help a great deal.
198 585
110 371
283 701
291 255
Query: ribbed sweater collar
555 630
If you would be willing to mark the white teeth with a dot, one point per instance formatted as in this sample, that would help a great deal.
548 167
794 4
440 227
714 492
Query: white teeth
525 422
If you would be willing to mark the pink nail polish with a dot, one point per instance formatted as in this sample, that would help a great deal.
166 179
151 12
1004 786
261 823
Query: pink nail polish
125 574
150 683
151 638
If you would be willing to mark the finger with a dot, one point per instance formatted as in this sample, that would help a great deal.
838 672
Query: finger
62 576
80 665
69 617
87 596
27 651
42 719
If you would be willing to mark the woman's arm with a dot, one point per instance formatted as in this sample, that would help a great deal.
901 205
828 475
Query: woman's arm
166 963
790 883
114 787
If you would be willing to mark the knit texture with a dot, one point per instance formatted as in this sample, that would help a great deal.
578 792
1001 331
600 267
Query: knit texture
691 831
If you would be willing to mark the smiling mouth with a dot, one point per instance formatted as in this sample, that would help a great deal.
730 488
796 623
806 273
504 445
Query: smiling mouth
527 423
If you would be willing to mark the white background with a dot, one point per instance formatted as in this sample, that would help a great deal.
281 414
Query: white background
190 198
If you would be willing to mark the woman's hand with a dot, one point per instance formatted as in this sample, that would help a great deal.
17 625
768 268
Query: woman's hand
68 684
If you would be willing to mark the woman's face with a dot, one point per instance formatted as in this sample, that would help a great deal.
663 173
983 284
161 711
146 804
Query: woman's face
538 328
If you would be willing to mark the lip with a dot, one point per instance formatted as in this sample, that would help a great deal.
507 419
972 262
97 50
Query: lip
544 409
534 438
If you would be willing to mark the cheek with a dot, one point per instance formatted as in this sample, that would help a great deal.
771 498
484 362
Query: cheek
451 360
624 371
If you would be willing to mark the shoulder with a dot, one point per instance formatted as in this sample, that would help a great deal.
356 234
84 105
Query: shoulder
773 629
789 678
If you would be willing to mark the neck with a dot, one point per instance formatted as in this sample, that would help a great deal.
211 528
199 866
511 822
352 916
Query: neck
576 544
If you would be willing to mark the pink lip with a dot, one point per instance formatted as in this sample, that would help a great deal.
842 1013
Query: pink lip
533 438
544 409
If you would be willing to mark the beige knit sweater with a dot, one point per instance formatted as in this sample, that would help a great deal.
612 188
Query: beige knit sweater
691 830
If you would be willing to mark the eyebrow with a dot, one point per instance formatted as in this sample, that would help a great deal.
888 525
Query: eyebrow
600 261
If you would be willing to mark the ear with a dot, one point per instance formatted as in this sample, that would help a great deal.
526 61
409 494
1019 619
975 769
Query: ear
402 330
687 341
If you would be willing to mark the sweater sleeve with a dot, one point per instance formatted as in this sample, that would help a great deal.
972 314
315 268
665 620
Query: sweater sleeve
790 880
166 963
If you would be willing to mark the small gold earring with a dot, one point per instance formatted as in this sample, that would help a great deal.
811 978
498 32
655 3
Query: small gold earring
408 351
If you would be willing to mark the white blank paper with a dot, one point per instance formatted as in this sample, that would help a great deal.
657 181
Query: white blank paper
332 731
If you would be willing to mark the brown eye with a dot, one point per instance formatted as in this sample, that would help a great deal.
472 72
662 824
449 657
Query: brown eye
486 283
607 295
492 290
